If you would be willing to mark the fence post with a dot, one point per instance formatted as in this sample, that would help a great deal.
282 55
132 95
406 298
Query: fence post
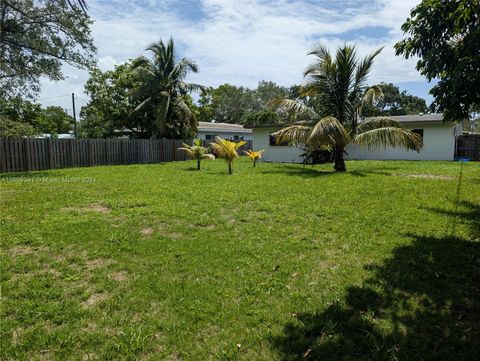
89 152
70 152
3 161
50 153
26 154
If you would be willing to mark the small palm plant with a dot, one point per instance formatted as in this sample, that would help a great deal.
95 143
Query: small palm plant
254 155
196 151
227 150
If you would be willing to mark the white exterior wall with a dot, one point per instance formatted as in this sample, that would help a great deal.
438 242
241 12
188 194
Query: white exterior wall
224 135
261 140
438 144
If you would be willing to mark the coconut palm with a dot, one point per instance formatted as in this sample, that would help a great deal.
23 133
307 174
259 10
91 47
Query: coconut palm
254 155
196 151
336 89
163 89
227 150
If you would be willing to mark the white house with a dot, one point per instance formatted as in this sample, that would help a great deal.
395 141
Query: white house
438 142
208 131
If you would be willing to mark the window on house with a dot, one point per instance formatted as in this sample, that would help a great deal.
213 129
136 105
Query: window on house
418 131
273 141
235 137
210 136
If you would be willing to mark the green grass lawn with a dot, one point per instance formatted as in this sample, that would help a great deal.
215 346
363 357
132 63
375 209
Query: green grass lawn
280 262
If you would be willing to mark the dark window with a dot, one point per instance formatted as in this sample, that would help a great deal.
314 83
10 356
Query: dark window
273 141
418 131
209 136
235 137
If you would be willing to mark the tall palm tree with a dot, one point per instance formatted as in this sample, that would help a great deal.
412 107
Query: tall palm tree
163 88
337 90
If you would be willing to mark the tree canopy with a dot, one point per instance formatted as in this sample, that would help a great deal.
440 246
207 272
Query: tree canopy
395 102
445 35
22 118
37 37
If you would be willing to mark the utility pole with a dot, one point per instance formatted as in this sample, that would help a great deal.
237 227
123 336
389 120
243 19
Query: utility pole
74 116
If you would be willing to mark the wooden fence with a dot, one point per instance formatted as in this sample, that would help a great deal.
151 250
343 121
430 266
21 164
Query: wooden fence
468 146
20 155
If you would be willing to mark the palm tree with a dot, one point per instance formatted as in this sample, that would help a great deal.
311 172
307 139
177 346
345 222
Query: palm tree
163 88
227 150
196 151
254 155
336 89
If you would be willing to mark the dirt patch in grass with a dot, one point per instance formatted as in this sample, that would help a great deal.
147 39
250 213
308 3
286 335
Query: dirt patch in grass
16 334
92 264
24 250
94 207
119 276
425 176
94 299
147 231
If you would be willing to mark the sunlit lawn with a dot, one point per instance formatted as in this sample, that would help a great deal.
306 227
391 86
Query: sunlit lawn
279 262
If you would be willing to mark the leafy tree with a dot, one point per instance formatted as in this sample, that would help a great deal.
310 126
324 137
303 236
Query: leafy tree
13 129
262 117
197 152
338 88
162 90
23 118
112 104
227 150
445 35
37 37
54 120
231 104
254 155
394 102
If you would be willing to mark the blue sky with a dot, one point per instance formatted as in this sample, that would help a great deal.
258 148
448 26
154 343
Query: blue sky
244 41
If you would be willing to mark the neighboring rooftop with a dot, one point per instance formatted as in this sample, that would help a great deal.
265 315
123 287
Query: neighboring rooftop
222 127
415 118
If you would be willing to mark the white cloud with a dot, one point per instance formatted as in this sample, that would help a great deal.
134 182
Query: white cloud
243 42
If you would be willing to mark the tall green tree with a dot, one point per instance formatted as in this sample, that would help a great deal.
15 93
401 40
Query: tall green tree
36 38
338 86
232 104
395 102
112 104
22 118
445 35
162 90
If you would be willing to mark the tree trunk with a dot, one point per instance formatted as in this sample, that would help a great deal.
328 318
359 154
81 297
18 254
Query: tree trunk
230 170
339 161
254 163
198 164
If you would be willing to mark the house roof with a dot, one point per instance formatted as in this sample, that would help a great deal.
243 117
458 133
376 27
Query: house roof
405 119
417 118
222 127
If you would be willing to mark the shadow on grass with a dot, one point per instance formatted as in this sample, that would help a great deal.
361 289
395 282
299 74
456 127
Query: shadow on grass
298 170
309 171
421 304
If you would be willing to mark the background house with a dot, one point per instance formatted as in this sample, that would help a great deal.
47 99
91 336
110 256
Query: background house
438 137
208 131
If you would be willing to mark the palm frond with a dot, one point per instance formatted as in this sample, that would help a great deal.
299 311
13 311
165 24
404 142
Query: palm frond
389 137
293 134
372 95
364 67
378 122
294 107
328 127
